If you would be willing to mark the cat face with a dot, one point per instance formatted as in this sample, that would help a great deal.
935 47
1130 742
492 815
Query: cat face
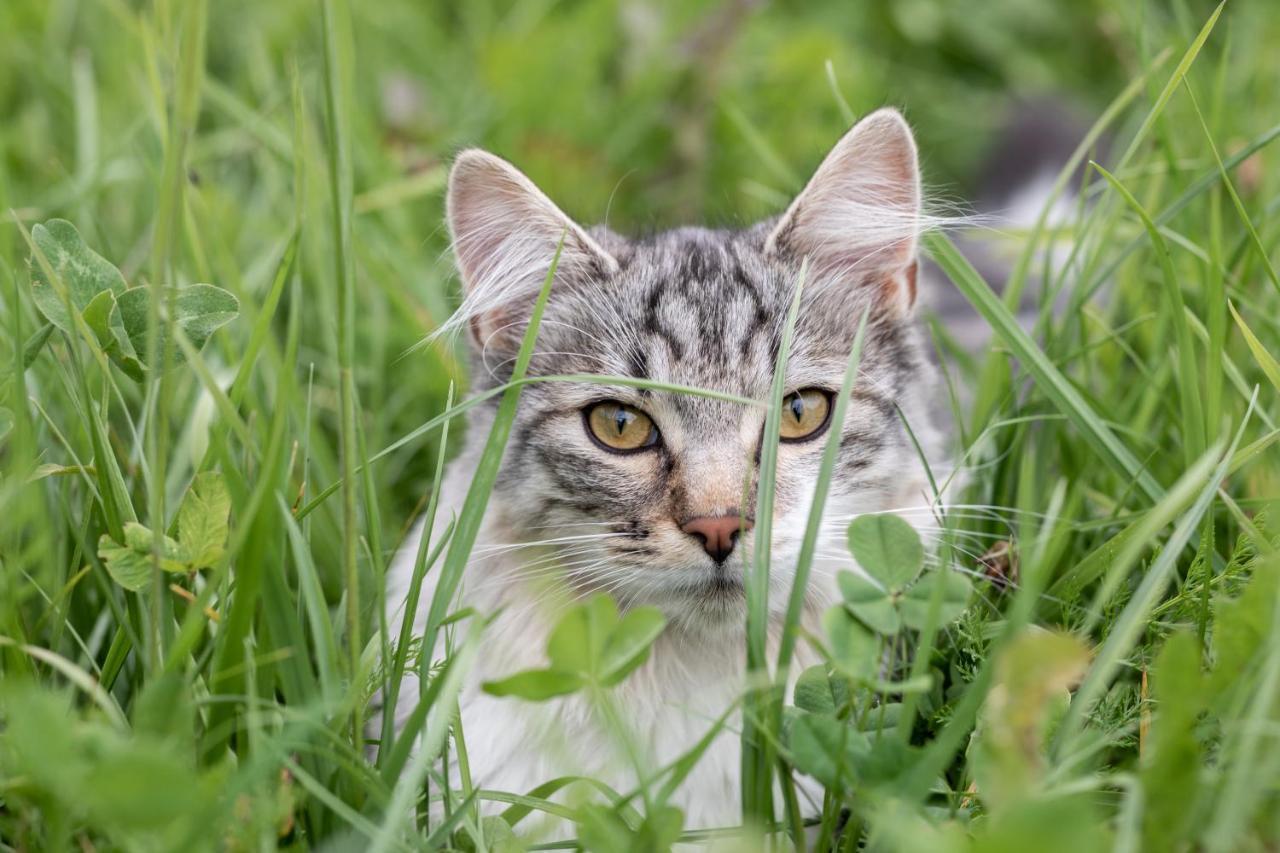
650 493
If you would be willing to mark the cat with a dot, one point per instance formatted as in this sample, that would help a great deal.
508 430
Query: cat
640 492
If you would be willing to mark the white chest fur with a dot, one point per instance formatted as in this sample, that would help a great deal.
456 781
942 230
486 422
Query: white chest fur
661 711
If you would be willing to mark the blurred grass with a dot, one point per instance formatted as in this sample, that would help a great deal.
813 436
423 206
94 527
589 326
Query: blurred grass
209 143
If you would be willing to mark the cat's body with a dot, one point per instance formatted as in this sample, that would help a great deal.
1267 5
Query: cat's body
641 493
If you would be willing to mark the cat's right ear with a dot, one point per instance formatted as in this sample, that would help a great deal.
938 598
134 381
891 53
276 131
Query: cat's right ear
505 232
859 217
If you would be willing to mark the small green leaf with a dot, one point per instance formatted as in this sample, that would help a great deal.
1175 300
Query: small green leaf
97 316
102 315
130 564
6 422
882 718
172 556
827 749
199 310
126 566
590 645
885 758
578 640
627 645
52 469
83 271
955 598
874 606
35 343
854 650
498 837
887 548
202 519
818 692
605 830
536 685
601 830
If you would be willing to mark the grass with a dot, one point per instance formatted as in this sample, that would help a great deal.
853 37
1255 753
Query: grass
1115 684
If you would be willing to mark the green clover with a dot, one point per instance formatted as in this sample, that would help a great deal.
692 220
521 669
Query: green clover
118 315
891 593
592 644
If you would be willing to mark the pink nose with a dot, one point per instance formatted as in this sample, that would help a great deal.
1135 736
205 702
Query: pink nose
718 534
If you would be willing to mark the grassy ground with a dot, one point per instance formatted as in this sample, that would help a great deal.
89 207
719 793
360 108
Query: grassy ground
292 154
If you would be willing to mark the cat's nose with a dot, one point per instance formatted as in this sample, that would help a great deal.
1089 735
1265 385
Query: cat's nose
718 534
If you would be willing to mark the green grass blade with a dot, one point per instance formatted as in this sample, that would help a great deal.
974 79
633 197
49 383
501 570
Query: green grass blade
757 761
1270 367
1188 373
1056 387
471 514
813 525
1132 620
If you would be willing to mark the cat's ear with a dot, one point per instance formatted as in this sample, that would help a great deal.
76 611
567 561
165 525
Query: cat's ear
858 218
505 232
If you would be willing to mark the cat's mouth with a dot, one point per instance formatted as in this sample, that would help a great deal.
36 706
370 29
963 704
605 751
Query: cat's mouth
720 591
723 583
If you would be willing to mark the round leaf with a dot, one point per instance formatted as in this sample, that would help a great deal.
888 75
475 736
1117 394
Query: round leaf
199 310
813 691
81 270
577 642
102 315
818 692
870 603
955 589
887 548
827 749
854 649
628 644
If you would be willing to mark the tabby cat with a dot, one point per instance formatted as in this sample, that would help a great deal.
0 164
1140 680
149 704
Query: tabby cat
644 493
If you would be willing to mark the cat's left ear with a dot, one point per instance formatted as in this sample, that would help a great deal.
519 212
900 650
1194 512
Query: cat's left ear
858 219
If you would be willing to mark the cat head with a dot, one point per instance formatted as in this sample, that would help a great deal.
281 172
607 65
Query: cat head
650 493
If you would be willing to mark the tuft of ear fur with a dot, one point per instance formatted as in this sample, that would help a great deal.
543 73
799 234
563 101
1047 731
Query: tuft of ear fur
505 232
858 219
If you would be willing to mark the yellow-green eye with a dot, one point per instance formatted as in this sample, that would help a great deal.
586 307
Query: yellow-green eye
620 428
804 414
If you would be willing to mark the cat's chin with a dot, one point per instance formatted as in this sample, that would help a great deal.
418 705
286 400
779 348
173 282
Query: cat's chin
713 605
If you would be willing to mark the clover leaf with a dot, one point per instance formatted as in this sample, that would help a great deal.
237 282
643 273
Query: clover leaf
827 749
130 564
855 651
887 548
889 593
954 597
202 537
83 271
118 315
818 692
591 645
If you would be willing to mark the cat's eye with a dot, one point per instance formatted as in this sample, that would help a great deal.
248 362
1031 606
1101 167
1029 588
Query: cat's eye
619 428
804 414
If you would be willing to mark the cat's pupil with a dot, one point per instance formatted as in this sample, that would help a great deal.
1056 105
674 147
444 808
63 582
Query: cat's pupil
797 408
620 420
